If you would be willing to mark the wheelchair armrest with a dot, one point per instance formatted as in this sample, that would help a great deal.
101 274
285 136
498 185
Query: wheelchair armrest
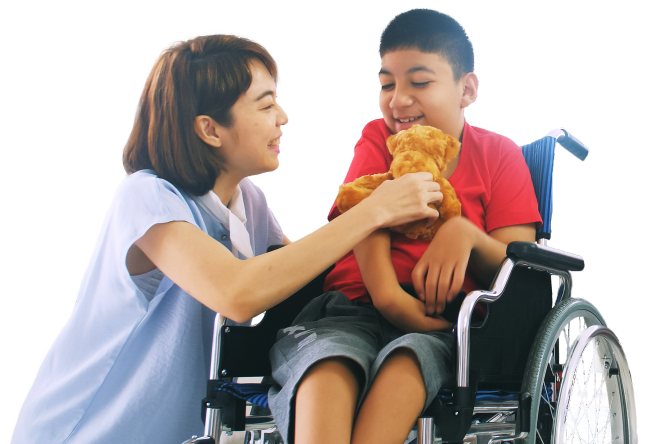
545 256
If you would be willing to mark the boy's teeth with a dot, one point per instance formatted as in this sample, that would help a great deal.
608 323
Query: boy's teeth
408 120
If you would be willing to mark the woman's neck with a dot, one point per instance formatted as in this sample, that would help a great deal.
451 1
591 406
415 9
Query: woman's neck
225 186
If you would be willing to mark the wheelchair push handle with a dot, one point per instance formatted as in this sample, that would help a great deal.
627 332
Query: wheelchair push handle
570 143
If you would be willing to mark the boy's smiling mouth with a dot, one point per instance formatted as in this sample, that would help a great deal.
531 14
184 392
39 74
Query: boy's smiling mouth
408 119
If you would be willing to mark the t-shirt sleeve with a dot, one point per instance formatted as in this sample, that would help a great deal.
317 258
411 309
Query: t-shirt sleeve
371 156
512 200
142 201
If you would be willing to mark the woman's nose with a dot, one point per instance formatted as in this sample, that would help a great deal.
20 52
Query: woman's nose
282 117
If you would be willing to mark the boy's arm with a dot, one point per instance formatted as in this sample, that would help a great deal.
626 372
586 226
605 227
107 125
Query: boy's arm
438 276
398 307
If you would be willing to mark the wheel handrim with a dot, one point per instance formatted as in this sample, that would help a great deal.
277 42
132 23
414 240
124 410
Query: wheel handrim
547 358
592 397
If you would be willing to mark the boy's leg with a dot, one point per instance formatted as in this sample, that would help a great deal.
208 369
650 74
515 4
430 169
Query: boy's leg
326 402
394 401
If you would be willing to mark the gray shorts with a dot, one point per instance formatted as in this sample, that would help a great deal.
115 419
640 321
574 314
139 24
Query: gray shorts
333 326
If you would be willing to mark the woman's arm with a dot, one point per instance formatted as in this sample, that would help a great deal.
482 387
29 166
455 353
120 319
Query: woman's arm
242 289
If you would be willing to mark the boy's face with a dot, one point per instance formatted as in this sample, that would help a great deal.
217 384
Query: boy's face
419 88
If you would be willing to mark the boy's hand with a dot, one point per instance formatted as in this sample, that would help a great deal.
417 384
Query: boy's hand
438 276
408 314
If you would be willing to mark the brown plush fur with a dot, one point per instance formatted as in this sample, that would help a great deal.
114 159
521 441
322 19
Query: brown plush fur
420 148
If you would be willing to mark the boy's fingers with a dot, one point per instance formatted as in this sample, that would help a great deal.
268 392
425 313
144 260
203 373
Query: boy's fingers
431 288
443 290
457 283
418 276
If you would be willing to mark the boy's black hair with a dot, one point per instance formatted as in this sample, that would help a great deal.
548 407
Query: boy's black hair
433 32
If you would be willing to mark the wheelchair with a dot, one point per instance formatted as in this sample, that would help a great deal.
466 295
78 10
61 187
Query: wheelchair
542 367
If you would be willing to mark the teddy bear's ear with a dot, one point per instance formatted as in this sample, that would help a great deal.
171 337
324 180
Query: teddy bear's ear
392 143
451 150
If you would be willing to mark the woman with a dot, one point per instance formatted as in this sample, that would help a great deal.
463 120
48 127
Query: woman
131 363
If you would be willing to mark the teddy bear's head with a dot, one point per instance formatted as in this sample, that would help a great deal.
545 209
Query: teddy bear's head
430 141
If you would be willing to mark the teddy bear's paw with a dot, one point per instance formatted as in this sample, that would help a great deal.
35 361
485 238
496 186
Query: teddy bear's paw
351 194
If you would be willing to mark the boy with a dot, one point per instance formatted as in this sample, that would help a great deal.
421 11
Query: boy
348 371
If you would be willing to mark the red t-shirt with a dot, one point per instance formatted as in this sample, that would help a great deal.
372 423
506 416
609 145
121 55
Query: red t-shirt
491 181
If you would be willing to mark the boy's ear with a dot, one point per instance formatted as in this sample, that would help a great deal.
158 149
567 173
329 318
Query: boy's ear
207 130
470 89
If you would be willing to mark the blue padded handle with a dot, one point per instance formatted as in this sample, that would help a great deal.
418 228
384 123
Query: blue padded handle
573 145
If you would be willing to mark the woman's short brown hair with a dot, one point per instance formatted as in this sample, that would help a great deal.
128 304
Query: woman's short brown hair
202 76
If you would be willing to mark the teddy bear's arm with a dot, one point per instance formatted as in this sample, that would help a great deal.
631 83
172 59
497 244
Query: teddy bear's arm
450 206
350 194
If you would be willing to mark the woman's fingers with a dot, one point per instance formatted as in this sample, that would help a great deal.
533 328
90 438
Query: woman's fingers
406 199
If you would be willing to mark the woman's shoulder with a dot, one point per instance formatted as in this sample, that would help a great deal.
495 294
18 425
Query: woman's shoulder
145 184
144 194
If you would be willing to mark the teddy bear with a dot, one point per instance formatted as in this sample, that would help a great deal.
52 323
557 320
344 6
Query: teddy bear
419 148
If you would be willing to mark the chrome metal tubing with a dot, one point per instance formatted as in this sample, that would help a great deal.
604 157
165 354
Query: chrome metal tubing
497 407
213 419
425 430
215 351
213 424
499 286
499 439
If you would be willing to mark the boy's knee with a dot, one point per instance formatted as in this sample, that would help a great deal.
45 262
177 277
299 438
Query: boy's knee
336 370
401 363
404 355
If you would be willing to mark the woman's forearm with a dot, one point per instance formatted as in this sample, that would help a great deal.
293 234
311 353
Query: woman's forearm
285 271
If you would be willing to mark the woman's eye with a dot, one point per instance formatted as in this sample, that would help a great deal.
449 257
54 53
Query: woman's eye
420 84
387 86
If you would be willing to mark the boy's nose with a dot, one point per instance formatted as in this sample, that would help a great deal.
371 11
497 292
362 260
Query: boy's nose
400 99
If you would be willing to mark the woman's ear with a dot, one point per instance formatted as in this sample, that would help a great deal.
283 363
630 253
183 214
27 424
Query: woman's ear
207 130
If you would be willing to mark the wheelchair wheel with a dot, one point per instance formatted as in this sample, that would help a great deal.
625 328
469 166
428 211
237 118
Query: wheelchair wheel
596 401
548 359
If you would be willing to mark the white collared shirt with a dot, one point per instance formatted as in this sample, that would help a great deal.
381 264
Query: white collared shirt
232 218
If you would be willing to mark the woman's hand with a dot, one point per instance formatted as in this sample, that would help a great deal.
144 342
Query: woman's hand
439 274
404 200
409 315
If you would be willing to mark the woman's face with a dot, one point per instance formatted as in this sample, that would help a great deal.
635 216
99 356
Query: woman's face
251 145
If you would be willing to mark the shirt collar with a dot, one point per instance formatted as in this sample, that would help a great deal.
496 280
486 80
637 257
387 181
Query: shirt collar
232 218
214 206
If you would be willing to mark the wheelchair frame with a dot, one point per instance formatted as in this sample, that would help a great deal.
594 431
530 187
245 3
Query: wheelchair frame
547 386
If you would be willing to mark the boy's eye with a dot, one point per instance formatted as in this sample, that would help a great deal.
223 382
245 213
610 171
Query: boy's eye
269 106
418 85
